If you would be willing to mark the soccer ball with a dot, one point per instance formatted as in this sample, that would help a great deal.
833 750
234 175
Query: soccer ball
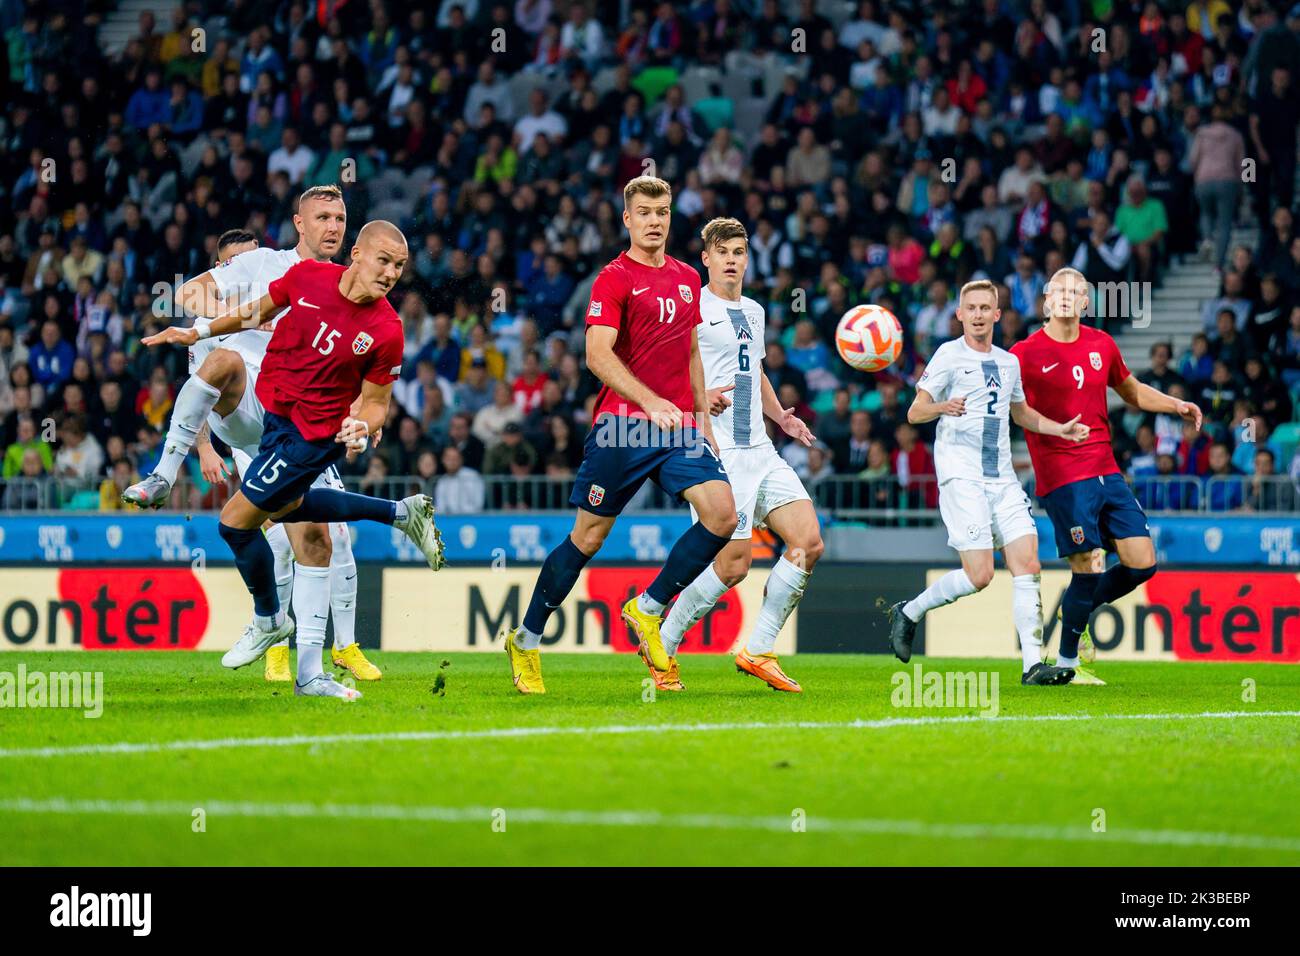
869 338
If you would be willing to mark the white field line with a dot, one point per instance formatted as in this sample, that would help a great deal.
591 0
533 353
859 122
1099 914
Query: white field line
485 816
491 733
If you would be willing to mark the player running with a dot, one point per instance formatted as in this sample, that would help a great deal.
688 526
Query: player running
974 389
1067 368
339 337
767 491
220 395
642 344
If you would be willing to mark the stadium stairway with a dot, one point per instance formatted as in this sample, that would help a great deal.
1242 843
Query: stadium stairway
124 22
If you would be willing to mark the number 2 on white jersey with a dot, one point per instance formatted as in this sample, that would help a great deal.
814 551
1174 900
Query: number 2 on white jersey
329 339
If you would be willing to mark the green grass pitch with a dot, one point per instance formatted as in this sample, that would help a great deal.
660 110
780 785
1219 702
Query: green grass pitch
593 774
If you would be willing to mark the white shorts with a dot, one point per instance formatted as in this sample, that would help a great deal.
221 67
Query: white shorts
242 428
761 481
984 515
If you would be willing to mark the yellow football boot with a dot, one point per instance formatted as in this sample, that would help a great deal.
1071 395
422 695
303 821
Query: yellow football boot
525 666
354 661
277 664
646 628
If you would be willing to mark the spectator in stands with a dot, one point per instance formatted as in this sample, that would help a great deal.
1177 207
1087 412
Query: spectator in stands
459 489
80 456
26 488
1142 221
490 422
1197 363
1216 159
27 441
122 476
1226 488
51 357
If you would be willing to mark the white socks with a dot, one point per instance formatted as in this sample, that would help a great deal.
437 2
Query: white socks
785 586
649 605
193 405
343 587
947 589
692 604
310 597
1027 609
278 539
526 640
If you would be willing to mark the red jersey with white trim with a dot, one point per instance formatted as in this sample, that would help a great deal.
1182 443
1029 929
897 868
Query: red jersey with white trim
323 348
654 311
1064 379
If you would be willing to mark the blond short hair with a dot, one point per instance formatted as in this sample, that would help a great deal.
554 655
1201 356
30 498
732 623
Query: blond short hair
650 186
978 285
328 193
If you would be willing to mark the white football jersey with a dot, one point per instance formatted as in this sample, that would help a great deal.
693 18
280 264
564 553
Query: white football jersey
244 278
731 350
976 445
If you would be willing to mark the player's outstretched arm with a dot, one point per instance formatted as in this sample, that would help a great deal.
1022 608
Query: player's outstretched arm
1032 420
609 368
790 423
249 315
1147 399
925 409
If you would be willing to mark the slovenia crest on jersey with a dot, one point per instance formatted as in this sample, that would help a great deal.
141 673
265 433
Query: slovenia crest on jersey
685 292
1094 358
361 344
596 495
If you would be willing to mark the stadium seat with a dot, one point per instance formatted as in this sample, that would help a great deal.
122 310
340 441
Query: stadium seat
1286 435
82 501
653 81
716 112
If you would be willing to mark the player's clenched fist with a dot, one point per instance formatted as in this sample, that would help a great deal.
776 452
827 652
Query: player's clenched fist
954 406
663 413
172 335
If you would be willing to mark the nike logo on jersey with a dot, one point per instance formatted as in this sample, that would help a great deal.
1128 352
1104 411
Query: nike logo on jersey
719 322
305 304
1048 368
639 291
253 486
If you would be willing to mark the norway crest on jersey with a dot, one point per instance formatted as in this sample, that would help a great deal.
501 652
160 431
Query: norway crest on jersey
596 495
361 344
1094 358
685 292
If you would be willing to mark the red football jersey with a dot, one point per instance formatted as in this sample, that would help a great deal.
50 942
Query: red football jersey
654 311
1064 379
323 348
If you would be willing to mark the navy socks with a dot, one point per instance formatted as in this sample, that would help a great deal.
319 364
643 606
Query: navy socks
1118 581
1076 607
256 563
326 504
558 575
693 552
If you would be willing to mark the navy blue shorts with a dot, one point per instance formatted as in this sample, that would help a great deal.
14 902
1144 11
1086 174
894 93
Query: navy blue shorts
1093 513
621 453
286 464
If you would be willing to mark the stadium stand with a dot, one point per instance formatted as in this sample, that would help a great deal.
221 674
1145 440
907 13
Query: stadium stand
879 152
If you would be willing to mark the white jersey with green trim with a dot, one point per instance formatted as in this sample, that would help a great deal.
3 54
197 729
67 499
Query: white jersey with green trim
977 445
731 349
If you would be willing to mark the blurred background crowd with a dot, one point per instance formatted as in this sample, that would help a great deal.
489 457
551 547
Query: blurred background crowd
879 152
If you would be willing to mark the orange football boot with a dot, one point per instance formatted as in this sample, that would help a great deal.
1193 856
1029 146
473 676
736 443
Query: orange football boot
766 669
670 679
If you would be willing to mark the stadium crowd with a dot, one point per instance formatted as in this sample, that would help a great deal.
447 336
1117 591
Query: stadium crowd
901 149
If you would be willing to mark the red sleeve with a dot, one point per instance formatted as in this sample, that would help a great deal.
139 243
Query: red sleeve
1118 369
386 365
608 293
281 290
695 301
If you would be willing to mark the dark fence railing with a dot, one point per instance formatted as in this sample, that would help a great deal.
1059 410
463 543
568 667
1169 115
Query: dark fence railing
884 500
